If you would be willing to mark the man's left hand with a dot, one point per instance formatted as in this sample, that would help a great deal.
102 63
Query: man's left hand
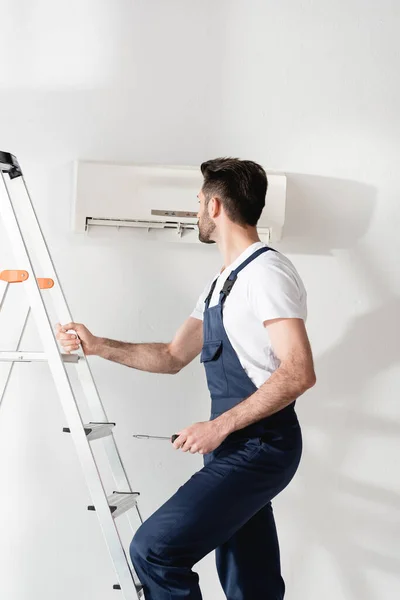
201 437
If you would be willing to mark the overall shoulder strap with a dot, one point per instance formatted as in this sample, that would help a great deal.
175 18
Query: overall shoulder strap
210 293
230 282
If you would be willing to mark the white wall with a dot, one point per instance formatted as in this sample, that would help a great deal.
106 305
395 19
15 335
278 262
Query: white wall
309 88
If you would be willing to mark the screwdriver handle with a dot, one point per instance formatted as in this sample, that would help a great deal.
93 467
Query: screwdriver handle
174 437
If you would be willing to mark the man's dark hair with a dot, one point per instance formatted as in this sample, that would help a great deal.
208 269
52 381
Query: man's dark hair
241 185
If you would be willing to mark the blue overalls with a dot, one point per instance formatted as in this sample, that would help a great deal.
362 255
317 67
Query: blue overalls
227 504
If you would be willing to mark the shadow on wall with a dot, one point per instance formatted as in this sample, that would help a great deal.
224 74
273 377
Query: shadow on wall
353 517
342 508
323 214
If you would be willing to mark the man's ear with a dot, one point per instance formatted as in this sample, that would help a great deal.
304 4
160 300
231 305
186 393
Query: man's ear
214 207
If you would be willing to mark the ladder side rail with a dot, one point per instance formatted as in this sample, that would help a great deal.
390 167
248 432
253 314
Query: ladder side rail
66 394
64 314
4 295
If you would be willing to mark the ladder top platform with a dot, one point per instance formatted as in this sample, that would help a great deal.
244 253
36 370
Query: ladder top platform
10 165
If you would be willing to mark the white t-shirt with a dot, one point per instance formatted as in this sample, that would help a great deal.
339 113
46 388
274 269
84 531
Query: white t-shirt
267 288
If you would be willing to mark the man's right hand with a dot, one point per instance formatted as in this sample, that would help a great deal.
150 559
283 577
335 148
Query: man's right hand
71 342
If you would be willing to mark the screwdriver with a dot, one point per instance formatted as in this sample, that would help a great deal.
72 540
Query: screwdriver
157 437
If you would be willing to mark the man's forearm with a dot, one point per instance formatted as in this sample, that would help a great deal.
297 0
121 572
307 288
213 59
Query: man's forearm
154 358
280 390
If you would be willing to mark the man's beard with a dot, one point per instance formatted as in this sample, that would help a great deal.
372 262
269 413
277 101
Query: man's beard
205 230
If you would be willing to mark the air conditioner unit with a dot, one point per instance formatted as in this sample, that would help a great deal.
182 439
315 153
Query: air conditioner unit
156 198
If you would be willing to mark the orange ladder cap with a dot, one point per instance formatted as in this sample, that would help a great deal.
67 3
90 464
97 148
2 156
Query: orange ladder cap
14 276
45 284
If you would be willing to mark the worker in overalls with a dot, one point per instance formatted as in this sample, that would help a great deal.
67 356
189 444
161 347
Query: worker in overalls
249 326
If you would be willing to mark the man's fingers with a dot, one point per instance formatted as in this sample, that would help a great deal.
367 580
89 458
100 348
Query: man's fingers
68 340
180 440
64 328
187 442
187 445
73 346
68 337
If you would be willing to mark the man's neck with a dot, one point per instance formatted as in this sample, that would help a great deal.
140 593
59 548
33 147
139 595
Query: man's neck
232 246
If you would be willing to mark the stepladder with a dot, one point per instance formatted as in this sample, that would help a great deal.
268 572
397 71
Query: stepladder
33 271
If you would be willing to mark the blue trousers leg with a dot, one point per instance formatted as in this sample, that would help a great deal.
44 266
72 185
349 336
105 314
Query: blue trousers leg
236 483
248 563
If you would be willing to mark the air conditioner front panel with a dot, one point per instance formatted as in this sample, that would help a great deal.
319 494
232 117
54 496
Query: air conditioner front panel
105 191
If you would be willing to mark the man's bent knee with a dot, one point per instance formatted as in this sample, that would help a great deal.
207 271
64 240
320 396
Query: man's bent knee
146 547
140 548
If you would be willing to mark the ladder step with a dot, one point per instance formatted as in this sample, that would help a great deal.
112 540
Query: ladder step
139 589
120 502
95 431
22 356
70 358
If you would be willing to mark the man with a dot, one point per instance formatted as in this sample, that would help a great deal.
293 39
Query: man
258 361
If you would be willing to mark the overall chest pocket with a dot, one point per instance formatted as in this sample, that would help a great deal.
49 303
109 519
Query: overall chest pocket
211 357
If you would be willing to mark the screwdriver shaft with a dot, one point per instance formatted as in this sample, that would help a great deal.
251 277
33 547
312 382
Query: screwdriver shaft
151 437
156 437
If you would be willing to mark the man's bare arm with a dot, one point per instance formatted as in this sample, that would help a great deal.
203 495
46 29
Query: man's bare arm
152 357
293 377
